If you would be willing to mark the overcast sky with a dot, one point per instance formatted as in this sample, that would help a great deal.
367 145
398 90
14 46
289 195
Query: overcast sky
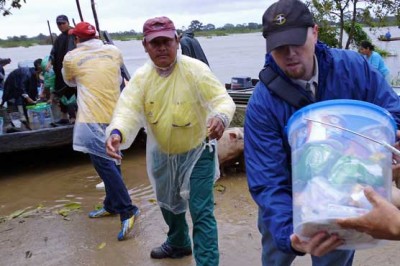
124 15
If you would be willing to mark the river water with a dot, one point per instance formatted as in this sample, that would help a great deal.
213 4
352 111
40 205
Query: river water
43 181
233 55
229 56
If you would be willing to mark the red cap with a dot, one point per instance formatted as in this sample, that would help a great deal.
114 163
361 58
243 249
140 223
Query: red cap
158 27
83 30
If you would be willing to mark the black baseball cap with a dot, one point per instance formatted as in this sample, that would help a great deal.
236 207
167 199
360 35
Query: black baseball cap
62 18
286 22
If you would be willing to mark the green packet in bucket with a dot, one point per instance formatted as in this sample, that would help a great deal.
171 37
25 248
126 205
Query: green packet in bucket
37 106
333 161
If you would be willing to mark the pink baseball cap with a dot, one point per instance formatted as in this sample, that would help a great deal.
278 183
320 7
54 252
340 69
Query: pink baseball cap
158 27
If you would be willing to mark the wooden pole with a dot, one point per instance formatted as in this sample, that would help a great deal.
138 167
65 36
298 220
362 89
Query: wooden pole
124 71
51 34
79 9
95 18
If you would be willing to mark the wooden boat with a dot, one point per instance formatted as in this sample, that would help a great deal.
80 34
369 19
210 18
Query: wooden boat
384 39
242 96
240 89
52 136
36 139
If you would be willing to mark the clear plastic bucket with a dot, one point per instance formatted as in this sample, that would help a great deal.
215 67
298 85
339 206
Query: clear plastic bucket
1 125
40 116
331 166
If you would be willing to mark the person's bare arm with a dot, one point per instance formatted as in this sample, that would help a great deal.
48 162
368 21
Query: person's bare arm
382 222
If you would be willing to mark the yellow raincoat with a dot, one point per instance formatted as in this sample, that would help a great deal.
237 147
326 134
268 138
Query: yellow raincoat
174 110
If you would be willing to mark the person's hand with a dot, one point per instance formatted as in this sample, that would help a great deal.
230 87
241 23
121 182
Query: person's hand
48 66
215 128
112 146
382 222
319 245
396 162
29 100
395 196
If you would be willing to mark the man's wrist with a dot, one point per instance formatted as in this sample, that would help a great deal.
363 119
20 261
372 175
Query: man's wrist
118 133
224 118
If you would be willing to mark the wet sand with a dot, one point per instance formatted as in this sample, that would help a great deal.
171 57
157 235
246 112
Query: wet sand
44 237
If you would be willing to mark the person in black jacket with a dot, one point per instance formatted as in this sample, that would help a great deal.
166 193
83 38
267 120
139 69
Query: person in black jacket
3 62
66 95
21 89
190 46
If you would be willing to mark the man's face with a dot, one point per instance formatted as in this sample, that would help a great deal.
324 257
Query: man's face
162 50
364 51
63 26
297 62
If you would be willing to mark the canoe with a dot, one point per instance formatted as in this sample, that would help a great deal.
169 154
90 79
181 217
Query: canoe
45 138
384 39
36 139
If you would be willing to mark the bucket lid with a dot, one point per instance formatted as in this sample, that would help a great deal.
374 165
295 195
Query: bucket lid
345 103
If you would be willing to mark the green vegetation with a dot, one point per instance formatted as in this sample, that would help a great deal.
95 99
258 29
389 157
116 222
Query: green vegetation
5 10
196 26
339 16
24 41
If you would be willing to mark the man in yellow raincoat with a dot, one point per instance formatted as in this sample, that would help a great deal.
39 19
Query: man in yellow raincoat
95 69
184 109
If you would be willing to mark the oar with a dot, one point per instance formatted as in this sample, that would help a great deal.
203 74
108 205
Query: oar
124 71
386 145
51 34
95 18
78 5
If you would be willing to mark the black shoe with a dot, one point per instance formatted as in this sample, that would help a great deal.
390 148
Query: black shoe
166 251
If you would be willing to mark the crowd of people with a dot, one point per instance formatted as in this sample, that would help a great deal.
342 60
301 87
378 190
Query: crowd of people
185 110
42 82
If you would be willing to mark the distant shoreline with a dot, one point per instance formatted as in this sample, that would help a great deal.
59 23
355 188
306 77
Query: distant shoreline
46 40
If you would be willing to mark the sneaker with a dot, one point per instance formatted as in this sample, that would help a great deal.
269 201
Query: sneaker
166 251
99 213
127 225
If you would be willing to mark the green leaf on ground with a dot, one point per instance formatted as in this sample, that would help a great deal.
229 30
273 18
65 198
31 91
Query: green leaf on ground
102 245
73 205
68 208
219 188
17 213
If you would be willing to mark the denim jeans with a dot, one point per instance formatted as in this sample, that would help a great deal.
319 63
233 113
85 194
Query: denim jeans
117 197
272 256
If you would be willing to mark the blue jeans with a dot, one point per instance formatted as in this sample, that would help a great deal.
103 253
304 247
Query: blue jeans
272 256
117 197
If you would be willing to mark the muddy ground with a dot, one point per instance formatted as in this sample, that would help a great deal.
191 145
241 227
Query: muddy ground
39 235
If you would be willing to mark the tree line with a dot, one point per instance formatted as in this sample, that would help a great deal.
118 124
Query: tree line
334 17
195 26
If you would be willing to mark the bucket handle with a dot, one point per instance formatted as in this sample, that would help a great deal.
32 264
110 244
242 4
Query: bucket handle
386 145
